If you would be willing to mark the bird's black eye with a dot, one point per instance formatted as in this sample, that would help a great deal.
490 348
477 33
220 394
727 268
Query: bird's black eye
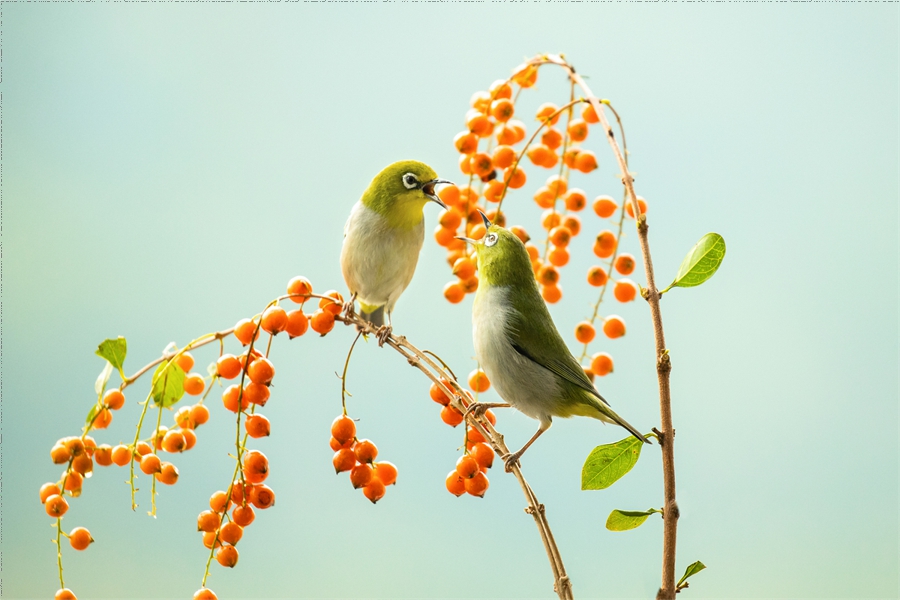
490 239
410 181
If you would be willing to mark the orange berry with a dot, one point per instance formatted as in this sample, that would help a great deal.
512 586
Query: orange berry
520 233
343 460
601 364
454 292
464 268
343 429
173 441
72 482
526 76
571 156
150 464
575 200
502 110
208 521
261 371
500 89
336 445
444 236
539 154
183 418
588 373
506 135
228 366
199 414
233 400
550 160
438 395
114 399
333 302
503 156
548 275
558 257
533 252
545 113
455 484
231 533
625 264
544 198
47 490
586 161
614 327
168 474
227 556
262 496
469 285
245 331
56 505
64 594
596 276
479 124
257 426
473 436
449 194
464 164
467 466
322 321
557 185
585 332
480 101
551 293
219 501
297 323
190 438
299 285
625 290
489 415
451 416
483 455
572 223
274 320
578 130
102 419
374 490
205 594
365 451
243 515
256 466
477 485
466 142
605 206
478 381
514 178
493 191
560 236
550 219
642 205
59 454
121 455
361 475
143 449
551 138
210 538
185 360
481 164
386 472
194 384
605 244
589 114
450 219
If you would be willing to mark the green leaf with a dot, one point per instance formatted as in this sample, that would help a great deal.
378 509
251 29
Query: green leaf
608 463
623 520
114 351
92 413
691 570
168 384
103 378
701 262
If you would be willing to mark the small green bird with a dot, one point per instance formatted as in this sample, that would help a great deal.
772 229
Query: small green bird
383 237
518 345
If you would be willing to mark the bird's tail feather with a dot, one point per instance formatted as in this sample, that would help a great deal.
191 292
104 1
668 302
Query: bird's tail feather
376 317
622 422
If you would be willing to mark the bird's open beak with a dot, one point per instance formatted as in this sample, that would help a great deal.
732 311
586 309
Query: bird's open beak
428 190
487 222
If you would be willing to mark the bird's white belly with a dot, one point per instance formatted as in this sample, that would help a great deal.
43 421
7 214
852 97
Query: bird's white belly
530 388
378 261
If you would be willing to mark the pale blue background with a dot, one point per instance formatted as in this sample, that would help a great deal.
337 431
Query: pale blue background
168 167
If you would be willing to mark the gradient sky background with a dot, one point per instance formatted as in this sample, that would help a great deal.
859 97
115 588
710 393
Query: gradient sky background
168 167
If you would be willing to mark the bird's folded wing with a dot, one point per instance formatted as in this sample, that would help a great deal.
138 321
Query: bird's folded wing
544 346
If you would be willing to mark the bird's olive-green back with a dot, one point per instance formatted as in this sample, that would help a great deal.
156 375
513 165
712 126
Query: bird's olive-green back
388 196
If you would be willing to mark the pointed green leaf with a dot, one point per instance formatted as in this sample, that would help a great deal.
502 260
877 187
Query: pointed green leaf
691 570
701 262
103 378
114 351
608 463
168 384
92 413
623 520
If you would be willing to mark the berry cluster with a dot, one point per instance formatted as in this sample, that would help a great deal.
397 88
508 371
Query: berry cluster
492 157
358 457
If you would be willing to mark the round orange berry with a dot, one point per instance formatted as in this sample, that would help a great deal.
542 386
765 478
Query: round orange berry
297 323
466 142
300 288
596 276
589 114
481 164
199 414
274 319
526 76
205 594
551 293
625 290
601 364
208 521
544 198
386 472
374 490
114 399
56 505
168 474
174 441
483 454
478 381
503 156
361 475
231 533
47 490
365 451
343 460
605 206
464 268
552 138
227 556
438 395
586 161
605 244
322 321
502 110
219 501
261 371
585 332
614 327
500 89
625 264
548 275
451 416
454 292
257 426
83 464
456 485
102 419
578 130
256 467
245 331
477 485
548 113
72 482
194 384
343 429
642 205
121 455
560 236
228 366
243 515
185 360
150 464
514 178
190 438
333 302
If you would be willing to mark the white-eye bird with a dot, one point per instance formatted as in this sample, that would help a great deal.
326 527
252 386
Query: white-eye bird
383 237
519 347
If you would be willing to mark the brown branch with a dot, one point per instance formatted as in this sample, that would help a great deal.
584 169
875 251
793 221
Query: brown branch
663 363
460 401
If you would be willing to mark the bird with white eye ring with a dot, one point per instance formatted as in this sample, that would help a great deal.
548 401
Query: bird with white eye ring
383 237
518 345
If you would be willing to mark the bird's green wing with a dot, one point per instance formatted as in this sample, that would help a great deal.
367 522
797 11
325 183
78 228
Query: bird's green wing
533 335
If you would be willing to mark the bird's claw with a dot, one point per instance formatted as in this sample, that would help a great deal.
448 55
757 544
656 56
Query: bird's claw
382 335
477 409
511 460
